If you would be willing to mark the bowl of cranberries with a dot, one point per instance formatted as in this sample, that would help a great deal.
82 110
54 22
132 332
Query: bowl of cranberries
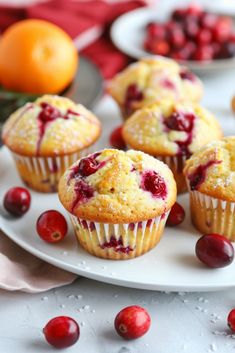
192 34
200 39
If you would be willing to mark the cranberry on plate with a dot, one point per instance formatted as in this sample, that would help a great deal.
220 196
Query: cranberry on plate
214 250
176 216
231 320
212 35
52 226
17 201
132 322
116 140
61 332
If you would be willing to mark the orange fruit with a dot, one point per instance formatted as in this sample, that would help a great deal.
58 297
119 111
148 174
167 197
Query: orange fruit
37 56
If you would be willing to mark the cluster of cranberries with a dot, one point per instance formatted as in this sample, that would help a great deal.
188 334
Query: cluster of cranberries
130 323
192 34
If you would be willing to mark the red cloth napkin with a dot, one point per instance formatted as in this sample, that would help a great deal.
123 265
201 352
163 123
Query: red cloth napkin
87 20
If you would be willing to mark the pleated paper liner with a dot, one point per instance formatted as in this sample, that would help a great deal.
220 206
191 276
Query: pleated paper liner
119 241
43 173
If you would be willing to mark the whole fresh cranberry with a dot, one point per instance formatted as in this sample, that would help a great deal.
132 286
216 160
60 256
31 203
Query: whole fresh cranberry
177 37
132 322
116 140
17 201
52 226
208 20
86 167
191 29
231 320
171 26
204 36
186 52
156 30
160 47
89 165
203 52
223 29
214 250
178 15
176 216
194 10
226 50
61 332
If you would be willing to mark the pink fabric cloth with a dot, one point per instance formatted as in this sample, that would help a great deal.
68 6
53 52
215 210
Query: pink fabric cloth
23 271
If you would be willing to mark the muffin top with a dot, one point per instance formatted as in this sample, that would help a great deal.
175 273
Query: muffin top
152 79
171 128
117 187
211 170
50 126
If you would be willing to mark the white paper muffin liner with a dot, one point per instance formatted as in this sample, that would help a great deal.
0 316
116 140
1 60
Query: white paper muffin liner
212 215
131 239
43 173
176 161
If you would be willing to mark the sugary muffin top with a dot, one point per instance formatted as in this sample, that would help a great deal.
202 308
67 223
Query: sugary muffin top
152 79
171 128
211 170
50 126
117 187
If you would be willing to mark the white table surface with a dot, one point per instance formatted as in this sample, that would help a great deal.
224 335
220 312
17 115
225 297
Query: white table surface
193 323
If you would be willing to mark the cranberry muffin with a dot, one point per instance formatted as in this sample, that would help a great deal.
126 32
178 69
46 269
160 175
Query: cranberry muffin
171 132
210 175
47 136
118 202
153 79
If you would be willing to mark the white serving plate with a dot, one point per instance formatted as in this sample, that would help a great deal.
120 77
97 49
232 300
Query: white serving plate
171 266
128 34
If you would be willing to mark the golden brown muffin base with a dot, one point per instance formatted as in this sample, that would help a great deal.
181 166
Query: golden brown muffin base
211 215
141 239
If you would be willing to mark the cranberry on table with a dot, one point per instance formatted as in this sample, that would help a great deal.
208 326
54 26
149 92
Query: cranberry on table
132 322
116 140
17 201
52 226
176 216
214 250
61 332
231 320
